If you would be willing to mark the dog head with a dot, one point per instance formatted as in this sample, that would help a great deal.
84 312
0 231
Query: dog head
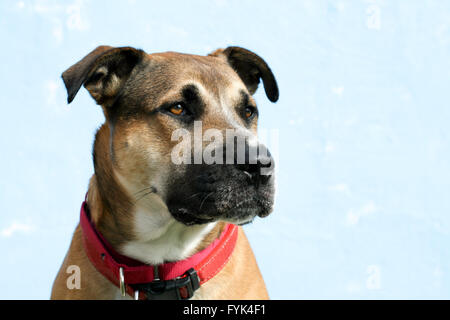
183 129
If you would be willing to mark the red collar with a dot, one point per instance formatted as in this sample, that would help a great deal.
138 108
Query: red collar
173 280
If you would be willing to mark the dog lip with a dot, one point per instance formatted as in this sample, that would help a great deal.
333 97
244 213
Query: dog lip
264 214
243 221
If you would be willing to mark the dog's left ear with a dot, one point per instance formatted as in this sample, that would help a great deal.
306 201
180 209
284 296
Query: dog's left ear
250 67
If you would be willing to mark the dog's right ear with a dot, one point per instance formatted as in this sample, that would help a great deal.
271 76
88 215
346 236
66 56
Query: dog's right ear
103 73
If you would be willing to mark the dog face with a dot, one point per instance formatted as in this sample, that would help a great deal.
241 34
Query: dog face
166 107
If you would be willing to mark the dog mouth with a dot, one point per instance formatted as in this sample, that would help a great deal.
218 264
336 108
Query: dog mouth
242 212
213 193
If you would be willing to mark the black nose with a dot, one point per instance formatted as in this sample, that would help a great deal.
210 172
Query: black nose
257 163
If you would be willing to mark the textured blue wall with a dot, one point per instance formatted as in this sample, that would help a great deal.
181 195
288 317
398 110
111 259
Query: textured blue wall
363 202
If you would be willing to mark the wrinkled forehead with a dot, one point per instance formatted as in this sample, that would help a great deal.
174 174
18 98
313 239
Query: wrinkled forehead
173 75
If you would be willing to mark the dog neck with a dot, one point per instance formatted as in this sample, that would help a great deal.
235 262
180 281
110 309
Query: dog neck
144 229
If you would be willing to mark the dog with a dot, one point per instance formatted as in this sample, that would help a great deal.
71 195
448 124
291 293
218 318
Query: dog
146 215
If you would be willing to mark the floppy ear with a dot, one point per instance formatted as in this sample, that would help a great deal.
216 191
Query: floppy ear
250 67
103 72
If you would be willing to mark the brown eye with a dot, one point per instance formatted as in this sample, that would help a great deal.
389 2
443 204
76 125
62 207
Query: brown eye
177 109
250 112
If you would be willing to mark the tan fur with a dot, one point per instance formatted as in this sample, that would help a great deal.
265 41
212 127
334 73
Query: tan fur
134 149
240 278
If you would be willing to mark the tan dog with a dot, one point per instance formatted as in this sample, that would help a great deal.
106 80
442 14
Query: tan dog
146 206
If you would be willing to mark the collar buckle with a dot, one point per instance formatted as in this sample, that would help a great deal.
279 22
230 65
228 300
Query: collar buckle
181 288
122 285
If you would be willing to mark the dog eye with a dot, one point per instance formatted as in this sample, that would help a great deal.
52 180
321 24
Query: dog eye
250 112
177 109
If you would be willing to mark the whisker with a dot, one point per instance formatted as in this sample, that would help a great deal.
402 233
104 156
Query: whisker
147 188
205 199
195 194
146 194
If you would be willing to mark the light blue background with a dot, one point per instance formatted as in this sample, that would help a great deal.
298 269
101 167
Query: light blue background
363 202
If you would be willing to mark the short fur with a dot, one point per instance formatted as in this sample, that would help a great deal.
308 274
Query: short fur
147 207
